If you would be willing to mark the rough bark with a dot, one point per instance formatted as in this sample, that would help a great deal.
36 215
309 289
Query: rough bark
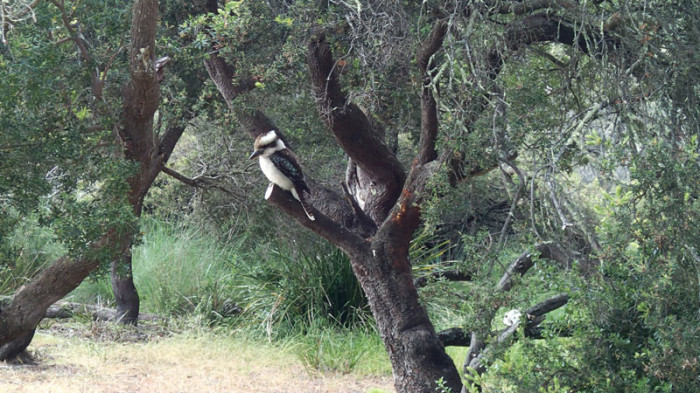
532 318
126 296
333 205
355 134
141 97
384 271
381 262
524 262
222 74
379 257
29 303
13 348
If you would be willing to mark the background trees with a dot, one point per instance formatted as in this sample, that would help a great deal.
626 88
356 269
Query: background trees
541 151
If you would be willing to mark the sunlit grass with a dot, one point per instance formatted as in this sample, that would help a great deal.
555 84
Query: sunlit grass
176 270
76 357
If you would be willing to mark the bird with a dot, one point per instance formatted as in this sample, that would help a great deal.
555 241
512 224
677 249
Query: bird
281 167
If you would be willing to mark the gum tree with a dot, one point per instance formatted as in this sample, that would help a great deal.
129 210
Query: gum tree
466 58
85 112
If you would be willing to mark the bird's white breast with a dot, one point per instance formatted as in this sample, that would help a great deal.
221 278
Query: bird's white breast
275 175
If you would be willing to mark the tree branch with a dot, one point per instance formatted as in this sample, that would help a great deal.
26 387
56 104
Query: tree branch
524 262
534 316
544 27
69 309
180 177
31 301
197 182
77 38
223 76
330 230
455 337
333 206
354 132
169 140
429 110
546 306
449 275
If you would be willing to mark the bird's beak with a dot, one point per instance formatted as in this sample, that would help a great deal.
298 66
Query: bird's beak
255 154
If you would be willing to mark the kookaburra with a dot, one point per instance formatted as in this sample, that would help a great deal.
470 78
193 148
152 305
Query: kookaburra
280 166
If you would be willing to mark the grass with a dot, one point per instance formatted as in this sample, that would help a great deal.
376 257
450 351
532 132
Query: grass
176 271
299 301
303 312
80 357
25 253
358 351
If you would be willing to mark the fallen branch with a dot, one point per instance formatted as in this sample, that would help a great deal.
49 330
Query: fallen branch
449 275
458 337
534 316
455 337
69 309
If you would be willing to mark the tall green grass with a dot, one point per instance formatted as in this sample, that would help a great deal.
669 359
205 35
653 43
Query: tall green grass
307 299
326 347
177 270
288 292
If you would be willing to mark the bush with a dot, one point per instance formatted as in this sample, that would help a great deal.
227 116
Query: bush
290 292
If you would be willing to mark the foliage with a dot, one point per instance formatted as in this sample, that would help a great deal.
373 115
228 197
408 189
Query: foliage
29 248
178 271
54 160
287 293
597 151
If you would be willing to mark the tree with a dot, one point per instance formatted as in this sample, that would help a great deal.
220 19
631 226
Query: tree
468 65
125 133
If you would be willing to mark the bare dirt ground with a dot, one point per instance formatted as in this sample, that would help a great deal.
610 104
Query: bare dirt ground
92 358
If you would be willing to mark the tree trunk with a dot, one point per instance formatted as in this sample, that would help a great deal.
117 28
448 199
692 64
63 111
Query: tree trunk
417 355
126 296
13 348
141 97
29 304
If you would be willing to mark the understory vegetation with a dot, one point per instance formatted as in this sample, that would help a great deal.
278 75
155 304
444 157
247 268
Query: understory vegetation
508 185
310 300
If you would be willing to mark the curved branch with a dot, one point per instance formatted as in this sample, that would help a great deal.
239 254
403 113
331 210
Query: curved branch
524 262
77 38
543 27
31 301
354 132
223 75
534 315
330 230
429 109
448 275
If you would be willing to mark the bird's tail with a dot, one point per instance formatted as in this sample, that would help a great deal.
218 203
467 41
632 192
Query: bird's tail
305 205
299 196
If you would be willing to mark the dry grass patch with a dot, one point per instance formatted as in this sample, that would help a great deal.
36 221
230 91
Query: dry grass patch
78 362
